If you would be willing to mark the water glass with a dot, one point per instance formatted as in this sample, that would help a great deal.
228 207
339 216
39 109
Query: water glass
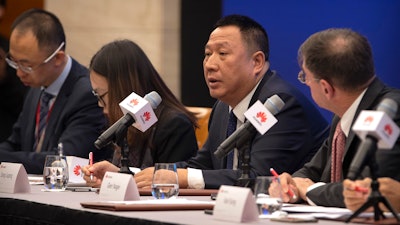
55 173
165 181
266 204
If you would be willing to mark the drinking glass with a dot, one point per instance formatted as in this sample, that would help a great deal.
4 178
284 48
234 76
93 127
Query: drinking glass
55 173
268 205
165 181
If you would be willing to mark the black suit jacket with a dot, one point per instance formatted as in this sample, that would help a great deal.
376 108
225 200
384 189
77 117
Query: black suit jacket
76 120
286 146
172 139
319 168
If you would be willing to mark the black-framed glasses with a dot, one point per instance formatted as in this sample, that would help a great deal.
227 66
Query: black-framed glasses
302 77
30 69
100 98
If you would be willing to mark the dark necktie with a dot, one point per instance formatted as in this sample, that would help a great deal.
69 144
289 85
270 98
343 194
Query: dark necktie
43 114
338 145
231 128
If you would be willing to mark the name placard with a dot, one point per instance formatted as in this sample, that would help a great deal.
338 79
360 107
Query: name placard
235 204
118 187
13 178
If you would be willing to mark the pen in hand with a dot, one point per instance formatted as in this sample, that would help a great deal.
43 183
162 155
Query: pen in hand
91 164
361 189
290 192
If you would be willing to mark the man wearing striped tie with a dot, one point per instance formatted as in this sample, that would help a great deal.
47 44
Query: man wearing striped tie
337 66
59 107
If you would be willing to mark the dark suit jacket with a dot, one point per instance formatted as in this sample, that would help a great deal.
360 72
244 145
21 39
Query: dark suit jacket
75 120
172 139
12 94
319 168
286 146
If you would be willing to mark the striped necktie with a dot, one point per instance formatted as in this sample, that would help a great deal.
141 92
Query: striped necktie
43 114
338 146
231 128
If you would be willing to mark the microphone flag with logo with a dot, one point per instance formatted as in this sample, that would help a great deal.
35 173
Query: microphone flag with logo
138 113
259 117
376 129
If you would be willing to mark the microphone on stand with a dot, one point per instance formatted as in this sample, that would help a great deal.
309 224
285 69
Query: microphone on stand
138 111
274 104
376 129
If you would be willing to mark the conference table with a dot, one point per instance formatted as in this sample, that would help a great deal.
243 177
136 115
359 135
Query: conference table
40 207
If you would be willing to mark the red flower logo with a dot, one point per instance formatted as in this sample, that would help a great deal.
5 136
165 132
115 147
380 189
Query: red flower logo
388 129
262 117
134 101
147 116
77 170
368 120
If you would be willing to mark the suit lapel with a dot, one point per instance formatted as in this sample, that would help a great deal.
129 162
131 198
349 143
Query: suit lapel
58 107
30 128
367 102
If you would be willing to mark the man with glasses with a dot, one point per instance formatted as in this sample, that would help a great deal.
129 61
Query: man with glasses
59 107
337 66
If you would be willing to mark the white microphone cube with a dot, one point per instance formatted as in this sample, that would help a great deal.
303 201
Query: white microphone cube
260 117
140 109
378 125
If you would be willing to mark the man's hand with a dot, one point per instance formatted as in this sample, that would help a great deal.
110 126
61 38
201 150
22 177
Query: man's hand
354 199
288 185
145 177
302 184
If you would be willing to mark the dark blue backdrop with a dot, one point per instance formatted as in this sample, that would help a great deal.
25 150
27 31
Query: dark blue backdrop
290 22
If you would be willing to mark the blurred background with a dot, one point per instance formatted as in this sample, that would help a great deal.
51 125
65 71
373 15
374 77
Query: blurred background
173 32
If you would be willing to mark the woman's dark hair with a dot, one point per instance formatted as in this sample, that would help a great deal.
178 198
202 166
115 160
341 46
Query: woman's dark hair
127 69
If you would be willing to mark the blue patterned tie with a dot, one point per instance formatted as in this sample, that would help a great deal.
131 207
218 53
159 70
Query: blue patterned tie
231 128
44 110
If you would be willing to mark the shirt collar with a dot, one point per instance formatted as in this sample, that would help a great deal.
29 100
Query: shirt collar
347 118
243 105
55 87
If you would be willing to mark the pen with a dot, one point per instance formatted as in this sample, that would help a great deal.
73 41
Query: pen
91 164
361 189
290 192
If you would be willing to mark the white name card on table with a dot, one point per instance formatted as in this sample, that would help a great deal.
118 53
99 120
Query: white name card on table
118 187
235 204
13 178
75 165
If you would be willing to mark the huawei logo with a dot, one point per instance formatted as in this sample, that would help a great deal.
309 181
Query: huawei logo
147 116
134 102
77 170
261 116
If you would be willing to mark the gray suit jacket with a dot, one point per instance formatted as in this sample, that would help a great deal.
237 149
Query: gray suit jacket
75 120
319 168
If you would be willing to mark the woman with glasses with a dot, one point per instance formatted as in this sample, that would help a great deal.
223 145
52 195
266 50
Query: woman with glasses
118 69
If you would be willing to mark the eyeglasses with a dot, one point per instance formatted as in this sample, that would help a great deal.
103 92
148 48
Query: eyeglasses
30 69
100 97
302 77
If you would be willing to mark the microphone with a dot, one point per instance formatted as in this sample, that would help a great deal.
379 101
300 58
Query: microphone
274 104
137 110
377 130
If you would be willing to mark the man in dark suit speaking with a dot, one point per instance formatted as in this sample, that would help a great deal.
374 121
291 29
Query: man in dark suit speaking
59 107
237 73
